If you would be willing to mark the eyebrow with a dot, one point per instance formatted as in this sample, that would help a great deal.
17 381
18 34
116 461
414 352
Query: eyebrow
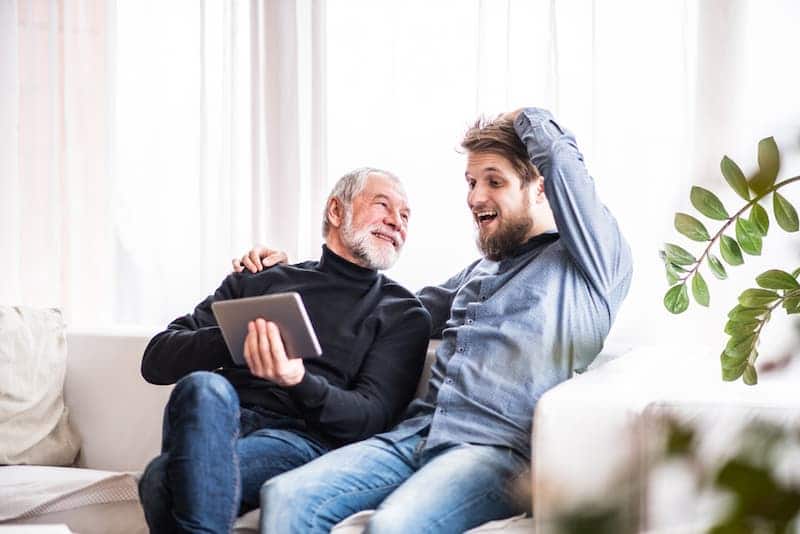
386 197
485 169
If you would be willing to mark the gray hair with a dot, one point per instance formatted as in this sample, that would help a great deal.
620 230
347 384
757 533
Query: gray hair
350 185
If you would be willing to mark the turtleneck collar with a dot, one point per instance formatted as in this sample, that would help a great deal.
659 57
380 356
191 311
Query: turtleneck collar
333 263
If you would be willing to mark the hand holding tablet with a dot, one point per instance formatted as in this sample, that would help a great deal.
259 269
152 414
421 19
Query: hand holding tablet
286 310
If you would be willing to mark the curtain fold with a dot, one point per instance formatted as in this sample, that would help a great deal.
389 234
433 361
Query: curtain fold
55 187
143 144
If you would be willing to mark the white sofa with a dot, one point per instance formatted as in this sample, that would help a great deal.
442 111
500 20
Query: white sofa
118 416
587 438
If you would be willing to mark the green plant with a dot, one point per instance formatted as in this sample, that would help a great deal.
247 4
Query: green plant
751 224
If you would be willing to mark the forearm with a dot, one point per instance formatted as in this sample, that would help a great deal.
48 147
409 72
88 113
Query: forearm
376 397
177 351
588 231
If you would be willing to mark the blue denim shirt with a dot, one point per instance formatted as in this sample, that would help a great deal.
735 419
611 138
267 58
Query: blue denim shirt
513 329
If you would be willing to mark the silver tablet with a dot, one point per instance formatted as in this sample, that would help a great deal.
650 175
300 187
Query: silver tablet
284 309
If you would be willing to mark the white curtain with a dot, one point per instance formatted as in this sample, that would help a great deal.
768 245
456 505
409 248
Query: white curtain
220 143
145 143
55 239
158 139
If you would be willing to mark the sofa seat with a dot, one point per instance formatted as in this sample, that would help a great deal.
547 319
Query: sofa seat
81 498
118 416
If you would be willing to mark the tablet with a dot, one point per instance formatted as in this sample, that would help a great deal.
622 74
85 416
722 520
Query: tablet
284 309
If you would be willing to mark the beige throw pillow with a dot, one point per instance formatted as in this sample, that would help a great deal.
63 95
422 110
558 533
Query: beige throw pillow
34 426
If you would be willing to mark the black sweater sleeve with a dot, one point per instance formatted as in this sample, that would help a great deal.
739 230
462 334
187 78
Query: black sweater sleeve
382 389
190 343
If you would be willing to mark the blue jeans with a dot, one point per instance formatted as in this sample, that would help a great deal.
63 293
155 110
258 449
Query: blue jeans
215 457
445 489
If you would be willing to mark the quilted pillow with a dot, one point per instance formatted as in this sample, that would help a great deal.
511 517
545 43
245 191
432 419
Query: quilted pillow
34 425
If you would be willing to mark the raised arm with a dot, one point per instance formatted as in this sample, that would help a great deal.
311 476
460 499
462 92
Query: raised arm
190 343
587 229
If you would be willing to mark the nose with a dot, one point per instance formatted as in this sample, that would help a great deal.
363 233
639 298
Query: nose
393 220
476 196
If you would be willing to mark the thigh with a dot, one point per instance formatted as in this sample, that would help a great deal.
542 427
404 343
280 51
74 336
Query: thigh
456 490
318 495
266 453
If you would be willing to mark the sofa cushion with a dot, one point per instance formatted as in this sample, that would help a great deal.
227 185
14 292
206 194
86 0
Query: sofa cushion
34 426
28 491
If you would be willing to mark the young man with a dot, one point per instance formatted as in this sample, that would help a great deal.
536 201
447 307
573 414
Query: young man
535 309
227 429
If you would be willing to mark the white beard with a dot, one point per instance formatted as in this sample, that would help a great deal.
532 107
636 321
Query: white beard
362 245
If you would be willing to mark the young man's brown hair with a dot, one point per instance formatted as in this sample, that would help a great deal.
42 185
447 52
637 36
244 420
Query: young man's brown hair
498 136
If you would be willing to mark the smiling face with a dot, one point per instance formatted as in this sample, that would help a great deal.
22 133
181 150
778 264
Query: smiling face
503 208
372 230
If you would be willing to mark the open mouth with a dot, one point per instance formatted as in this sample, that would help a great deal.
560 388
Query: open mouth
485 217
386 237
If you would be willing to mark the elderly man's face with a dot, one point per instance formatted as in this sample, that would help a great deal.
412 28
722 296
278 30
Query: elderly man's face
376 223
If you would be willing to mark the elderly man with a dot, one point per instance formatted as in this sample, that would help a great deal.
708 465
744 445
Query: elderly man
536 308
227 428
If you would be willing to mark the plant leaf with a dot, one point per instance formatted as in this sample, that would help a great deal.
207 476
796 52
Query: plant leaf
691 227
700 290
730 251
785 213
742 313
708 204
716 267
750 376
736 328
735 178
748 236
777 279
792 305
733 372
673 276
678 255
755 298
676 300
759 218
740 346
769 163
796 272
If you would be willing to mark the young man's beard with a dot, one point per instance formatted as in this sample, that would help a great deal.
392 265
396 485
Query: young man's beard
506 239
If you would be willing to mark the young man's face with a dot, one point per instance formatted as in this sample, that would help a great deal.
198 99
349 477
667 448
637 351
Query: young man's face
375 225
500 205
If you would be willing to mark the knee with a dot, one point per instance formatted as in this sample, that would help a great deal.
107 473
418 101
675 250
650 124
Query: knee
392 519
201 387
285 506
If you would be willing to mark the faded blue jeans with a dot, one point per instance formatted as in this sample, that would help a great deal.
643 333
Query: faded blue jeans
446 489
215 456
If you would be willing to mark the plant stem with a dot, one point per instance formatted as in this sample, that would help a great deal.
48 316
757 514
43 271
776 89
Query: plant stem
735 216
788 294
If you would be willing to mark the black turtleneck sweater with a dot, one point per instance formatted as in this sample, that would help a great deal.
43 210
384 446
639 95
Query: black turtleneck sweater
373 334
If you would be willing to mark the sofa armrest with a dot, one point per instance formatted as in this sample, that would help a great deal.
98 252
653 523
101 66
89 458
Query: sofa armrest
589 431
117 414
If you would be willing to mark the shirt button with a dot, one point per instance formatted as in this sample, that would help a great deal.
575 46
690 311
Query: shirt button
483 297
442 411
460 349
469 321
448 381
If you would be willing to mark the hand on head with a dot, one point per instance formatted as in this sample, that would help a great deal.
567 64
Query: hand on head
259 258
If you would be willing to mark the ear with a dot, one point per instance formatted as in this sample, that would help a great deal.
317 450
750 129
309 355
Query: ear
537 190
335 212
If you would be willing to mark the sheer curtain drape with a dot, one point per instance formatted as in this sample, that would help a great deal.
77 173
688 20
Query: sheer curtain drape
147 142
154 140
55 238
